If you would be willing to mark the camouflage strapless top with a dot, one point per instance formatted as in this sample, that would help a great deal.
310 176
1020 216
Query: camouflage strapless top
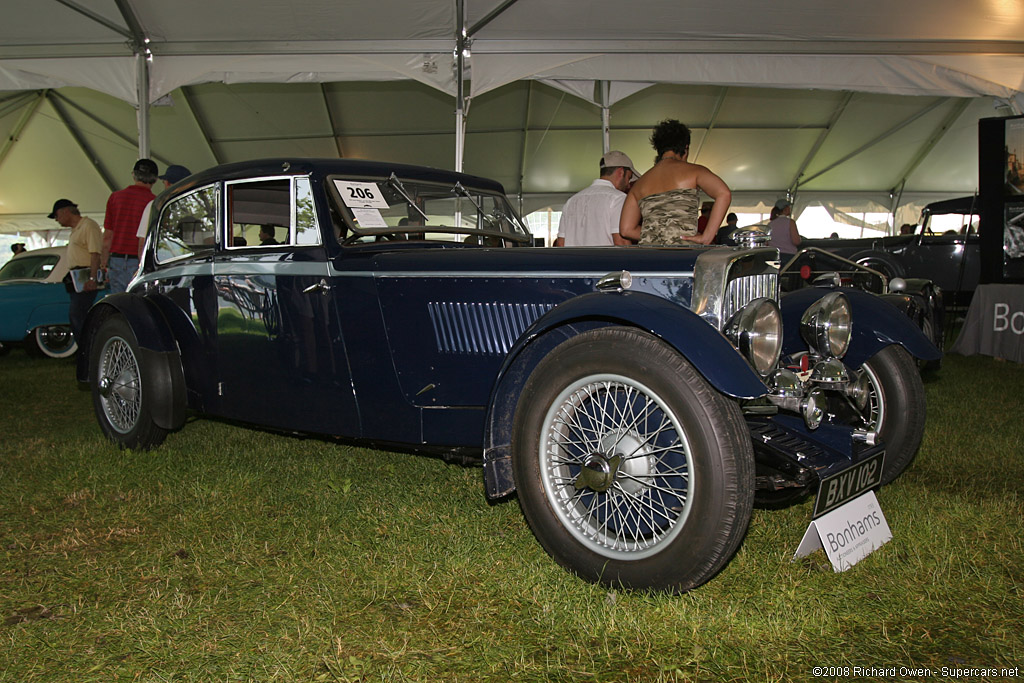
668 217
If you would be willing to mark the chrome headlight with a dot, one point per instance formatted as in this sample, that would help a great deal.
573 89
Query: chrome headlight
756 330
826 325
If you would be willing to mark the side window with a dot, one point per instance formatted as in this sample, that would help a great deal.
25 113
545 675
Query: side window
188 225
261 213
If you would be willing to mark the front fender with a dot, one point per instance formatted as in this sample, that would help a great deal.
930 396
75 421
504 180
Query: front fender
876 324
158 354
700 343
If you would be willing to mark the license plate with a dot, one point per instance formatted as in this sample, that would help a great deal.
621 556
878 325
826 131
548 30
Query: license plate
844 486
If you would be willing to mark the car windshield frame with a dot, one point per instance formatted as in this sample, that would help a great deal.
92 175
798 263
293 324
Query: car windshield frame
386 201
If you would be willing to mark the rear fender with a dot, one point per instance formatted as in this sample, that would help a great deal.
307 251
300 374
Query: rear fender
701 344
48 314
159 358
876 324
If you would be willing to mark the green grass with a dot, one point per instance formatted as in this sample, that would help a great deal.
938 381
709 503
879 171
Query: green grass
232 554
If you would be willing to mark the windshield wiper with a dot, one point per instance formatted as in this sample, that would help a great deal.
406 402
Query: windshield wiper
400 188
460 190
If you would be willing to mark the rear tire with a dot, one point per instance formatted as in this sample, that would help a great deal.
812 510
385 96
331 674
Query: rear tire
631 469
121 396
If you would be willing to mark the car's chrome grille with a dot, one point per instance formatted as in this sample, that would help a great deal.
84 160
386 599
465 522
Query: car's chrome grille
742 290
479 328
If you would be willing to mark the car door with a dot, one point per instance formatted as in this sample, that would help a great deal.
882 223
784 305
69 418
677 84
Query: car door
279 361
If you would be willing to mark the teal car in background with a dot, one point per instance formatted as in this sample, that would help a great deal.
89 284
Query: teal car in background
34 303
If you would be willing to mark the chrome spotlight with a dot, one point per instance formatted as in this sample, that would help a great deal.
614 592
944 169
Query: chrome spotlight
830 373
827 324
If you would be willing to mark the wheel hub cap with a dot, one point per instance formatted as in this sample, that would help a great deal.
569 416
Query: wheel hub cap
598 472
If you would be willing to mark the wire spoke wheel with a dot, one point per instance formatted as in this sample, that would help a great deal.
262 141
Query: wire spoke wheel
631 469
120 385
121 397
615 465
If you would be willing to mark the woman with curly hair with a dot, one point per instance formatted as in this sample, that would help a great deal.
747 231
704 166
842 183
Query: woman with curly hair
661 207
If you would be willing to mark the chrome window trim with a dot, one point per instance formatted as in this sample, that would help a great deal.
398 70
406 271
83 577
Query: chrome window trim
153 235
292 208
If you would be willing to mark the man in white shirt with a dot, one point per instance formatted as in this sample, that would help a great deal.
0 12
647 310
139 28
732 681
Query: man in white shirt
591 216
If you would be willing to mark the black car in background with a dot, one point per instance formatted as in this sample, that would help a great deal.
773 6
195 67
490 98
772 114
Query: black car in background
949 257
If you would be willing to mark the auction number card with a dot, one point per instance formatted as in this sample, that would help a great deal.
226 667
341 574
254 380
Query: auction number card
365 200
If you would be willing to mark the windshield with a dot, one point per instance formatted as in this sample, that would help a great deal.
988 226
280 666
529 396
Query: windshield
29 267
398 209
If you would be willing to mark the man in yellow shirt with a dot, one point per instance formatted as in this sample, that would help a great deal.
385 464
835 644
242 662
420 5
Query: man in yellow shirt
84 247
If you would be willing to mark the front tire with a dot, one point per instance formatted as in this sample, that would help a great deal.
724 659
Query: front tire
631 469
54 341
895 407
120 393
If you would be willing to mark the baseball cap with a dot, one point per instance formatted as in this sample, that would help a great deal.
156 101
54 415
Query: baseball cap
174 173
782 204
146 166
61 204
616 158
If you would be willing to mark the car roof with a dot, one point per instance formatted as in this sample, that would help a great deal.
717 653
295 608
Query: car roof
60 251
960 205
60 269
354 167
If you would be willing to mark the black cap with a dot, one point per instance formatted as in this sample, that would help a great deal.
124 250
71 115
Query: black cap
174 173
146 166
60 204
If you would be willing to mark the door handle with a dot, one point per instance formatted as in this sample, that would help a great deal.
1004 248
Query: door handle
321 286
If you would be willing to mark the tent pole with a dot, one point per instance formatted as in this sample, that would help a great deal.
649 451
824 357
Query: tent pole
142 68
461 47
606 124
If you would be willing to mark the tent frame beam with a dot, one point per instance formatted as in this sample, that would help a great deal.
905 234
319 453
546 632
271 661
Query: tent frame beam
871 143
204 129
940 131
99 19
813 153
81 141
439 46
31 107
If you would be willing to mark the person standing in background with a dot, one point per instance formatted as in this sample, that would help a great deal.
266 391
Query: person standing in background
784 235
84 245
661 207
120 254
591 216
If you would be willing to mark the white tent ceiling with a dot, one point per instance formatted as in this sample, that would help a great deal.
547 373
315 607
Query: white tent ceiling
823 97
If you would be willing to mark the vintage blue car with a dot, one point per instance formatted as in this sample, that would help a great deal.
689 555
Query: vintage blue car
34 303
637 400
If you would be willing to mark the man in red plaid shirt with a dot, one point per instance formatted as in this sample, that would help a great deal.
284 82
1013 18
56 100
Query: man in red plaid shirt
124 208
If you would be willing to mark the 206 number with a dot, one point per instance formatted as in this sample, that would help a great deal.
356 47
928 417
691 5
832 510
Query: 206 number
361 193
